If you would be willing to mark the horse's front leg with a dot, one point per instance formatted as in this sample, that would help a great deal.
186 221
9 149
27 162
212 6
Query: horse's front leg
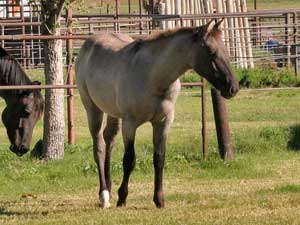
160 133
128 133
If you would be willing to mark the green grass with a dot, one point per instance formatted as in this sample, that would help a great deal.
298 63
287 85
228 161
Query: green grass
95 6
261 185
274 4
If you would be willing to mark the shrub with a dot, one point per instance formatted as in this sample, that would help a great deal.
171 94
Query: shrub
256 78
266 77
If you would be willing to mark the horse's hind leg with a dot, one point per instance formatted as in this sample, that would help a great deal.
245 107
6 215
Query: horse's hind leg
109 134
95 117
160 133
128 132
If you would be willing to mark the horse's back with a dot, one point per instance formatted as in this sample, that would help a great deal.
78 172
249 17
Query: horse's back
96 69
104 44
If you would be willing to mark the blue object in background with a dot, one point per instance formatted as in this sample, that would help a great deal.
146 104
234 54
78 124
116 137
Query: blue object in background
271 44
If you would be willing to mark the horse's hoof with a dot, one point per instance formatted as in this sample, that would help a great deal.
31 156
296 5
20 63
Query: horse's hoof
104 199
121 203
160 205
159 202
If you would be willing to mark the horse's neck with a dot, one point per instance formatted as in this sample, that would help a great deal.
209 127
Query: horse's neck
171 61
11 74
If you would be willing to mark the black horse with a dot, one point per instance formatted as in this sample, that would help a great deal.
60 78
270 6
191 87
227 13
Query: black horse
23 107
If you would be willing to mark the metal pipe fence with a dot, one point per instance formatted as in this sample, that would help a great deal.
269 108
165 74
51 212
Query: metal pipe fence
23 39
274 34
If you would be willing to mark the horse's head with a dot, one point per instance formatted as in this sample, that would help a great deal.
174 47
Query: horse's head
211 60
20 117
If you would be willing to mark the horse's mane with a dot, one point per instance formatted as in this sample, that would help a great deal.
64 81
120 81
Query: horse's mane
168 33
159 36
11 72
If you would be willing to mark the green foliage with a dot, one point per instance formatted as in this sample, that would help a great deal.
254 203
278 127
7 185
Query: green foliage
267 77
273 4
79 6
290 188
190 76
259 77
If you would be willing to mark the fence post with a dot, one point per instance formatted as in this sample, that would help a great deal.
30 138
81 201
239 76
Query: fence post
2 33
222 126
140 16
70 91
296 61
116 17
295 36
203 108
24 56
287 40
129 6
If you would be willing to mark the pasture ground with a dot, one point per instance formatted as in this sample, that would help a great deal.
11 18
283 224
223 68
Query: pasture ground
260 186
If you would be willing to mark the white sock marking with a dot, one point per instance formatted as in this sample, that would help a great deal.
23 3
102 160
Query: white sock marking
104 199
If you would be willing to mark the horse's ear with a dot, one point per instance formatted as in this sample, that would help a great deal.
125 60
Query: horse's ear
204 30
218 24
208 27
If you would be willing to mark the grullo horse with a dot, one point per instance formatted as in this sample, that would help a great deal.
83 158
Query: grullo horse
136 82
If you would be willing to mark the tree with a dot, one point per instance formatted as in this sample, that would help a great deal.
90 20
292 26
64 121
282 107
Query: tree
54 126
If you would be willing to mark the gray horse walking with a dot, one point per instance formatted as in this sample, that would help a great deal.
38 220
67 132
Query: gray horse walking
136 82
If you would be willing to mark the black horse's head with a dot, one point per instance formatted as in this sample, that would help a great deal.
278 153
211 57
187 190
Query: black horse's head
20 117
211 59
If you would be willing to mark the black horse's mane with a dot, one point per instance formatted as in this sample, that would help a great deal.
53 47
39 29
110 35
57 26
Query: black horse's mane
11 72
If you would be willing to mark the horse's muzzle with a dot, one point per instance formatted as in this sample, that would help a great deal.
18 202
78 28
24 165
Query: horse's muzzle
19 151
231 91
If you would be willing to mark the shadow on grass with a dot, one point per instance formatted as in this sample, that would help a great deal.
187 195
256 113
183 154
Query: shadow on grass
4 212
294 142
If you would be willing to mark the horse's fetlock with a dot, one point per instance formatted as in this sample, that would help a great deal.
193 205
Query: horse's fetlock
104 199
159 201
122 192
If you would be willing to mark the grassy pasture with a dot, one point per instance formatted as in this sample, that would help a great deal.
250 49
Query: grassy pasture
97 6
260 186
273 4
